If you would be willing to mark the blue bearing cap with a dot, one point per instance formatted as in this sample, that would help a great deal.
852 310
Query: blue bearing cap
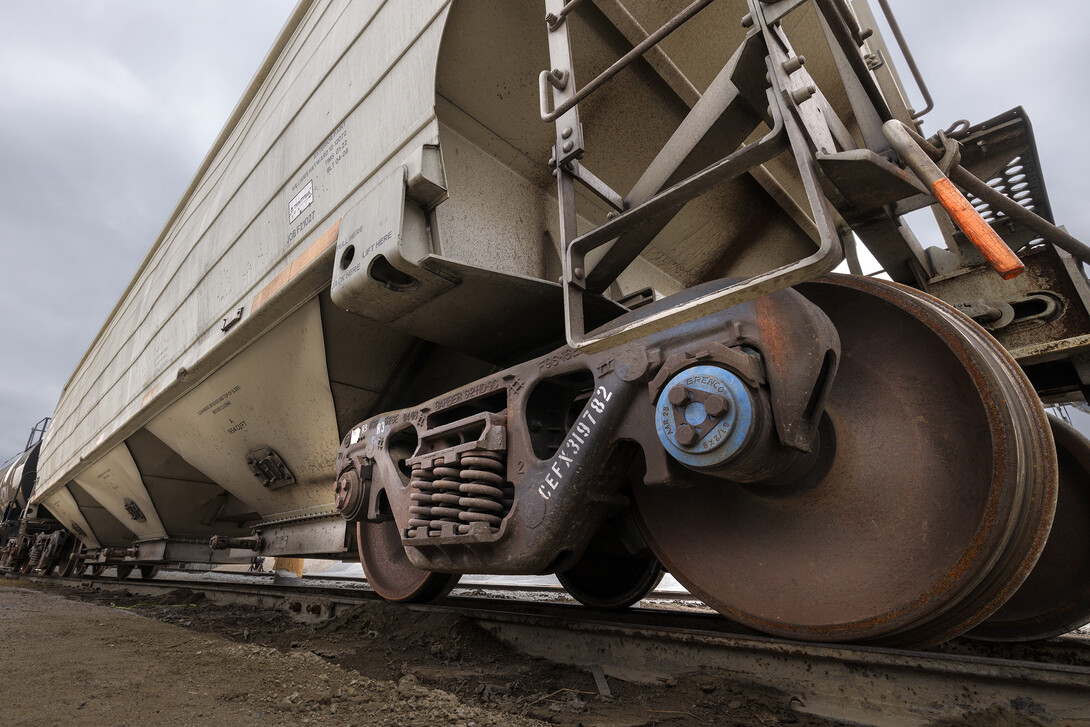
718 440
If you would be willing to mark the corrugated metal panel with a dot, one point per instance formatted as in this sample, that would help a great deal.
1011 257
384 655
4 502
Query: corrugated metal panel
352 86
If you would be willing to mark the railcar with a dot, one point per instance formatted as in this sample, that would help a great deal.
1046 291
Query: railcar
481 286
31 541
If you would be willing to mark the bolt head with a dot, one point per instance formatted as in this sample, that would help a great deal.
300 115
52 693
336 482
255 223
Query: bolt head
801 95
344 491
566 132
716 406
793 64
568 146
686 435
679 396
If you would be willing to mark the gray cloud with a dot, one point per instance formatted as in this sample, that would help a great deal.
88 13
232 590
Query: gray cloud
108 109
983 57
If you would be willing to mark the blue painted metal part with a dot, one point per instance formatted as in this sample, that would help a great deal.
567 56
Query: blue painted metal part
726 436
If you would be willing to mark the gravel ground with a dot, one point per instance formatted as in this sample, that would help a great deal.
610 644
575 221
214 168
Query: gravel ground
109 659
82 663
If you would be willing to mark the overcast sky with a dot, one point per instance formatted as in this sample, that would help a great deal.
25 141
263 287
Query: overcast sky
107 108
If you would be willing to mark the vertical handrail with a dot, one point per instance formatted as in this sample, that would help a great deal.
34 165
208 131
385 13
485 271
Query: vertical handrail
912 67
39 429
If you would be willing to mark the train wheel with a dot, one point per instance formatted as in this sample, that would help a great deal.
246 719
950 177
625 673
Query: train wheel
96 570
611 581
936 505
147 572
1055 598
124 571
388 570
70 557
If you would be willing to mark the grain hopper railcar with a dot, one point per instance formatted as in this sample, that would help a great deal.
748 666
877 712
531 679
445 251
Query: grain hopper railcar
553 275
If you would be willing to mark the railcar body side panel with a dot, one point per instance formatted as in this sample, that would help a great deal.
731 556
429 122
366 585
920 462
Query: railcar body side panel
63 506
345 95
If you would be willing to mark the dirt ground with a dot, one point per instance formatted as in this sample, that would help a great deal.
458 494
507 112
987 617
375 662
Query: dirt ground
109 659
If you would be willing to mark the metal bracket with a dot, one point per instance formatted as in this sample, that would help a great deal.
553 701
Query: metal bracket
134 510
268 467
554 20
569 132
230 321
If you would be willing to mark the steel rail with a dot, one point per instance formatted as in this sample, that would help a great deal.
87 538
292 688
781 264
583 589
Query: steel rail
858 684
514 588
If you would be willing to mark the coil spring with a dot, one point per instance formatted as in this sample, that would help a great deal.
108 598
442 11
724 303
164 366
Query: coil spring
472 491
36 553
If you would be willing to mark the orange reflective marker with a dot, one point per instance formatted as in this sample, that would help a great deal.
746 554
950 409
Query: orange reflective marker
991 245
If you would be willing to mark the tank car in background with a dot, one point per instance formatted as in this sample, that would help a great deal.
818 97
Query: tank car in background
31 539
555 278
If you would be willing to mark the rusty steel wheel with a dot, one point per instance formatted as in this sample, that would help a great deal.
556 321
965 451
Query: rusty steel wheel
388 570
148 572
124 571
936 505
70 556
96 570
611 580
1055 599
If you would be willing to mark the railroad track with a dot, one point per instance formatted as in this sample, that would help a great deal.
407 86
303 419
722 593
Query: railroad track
490 588
1048 681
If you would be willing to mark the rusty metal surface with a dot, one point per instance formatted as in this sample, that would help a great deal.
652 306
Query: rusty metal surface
1049 275
389 571
611 580
937 495
616 570
1039 499
1055 599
